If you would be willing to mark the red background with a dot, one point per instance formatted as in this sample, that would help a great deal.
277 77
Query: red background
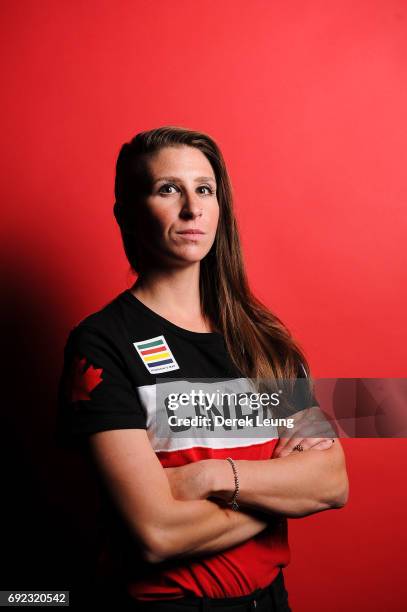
307 100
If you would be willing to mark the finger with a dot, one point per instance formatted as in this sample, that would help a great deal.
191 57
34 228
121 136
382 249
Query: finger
287 443
324 444
304 428
286 434
317 443
282 441
308 443
289 446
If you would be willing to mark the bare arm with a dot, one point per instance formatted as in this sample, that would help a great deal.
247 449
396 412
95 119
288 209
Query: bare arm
163 526
243 526
296 485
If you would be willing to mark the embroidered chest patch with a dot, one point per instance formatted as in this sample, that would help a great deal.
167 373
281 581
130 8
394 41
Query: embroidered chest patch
156 355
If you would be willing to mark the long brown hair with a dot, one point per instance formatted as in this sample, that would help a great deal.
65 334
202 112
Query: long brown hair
259 343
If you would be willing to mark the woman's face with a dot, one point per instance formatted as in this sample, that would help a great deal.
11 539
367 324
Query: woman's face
181 197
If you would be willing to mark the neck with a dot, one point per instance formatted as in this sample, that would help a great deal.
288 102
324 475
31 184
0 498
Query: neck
172 293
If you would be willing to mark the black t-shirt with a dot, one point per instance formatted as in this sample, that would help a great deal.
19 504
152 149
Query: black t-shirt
112 354
113 359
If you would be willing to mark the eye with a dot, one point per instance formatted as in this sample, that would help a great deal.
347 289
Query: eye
206 187
167 185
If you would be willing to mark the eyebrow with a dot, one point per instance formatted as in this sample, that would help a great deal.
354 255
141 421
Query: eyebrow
175 178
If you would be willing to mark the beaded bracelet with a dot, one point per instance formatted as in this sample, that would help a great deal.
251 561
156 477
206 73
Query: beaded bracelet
233 501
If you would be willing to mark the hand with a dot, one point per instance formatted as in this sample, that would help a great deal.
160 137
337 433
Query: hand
309 421
286 445
188 481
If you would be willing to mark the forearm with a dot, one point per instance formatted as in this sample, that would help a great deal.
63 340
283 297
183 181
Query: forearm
197 527
236 529
164 526
296 485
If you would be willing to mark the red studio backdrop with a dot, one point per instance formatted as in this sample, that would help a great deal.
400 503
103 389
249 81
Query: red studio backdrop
307 101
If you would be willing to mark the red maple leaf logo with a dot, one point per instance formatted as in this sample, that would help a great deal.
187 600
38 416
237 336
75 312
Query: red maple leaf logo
83 381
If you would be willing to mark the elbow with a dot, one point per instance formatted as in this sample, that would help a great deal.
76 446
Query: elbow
152 556
153 549
161 537
156 546
339 495
343 495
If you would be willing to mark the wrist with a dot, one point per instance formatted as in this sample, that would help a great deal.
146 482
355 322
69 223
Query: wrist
221 481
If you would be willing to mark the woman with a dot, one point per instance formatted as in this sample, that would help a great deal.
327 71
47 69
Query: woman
194 521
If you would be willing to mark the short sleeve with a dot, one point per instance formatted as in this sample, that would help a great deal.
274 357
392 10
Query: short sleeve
95 392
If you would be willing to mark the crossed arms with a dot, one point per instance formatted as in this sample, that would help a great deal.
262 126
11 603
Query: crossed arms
181 512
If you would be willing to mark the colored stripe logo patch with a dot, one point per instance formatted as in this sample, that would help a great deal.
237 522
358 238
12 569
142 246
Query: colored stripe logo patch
156 355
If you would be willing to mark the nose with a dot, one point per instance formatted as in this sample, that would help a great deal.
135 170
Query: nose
191 205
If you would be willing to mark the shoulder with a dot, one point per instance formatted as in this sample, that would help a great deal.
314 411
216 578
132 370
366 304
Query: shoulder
107 324
98 338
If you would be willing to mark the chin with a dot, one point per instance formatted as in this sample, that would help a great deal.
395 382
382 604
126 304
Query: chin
191 250
194 257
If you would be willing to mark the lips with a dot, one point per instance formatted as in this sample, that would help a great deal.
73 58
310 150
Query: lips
192 231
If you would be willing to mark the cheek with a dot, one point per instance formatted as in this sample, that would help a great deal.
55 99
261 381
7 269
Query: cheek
159 220
215 216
